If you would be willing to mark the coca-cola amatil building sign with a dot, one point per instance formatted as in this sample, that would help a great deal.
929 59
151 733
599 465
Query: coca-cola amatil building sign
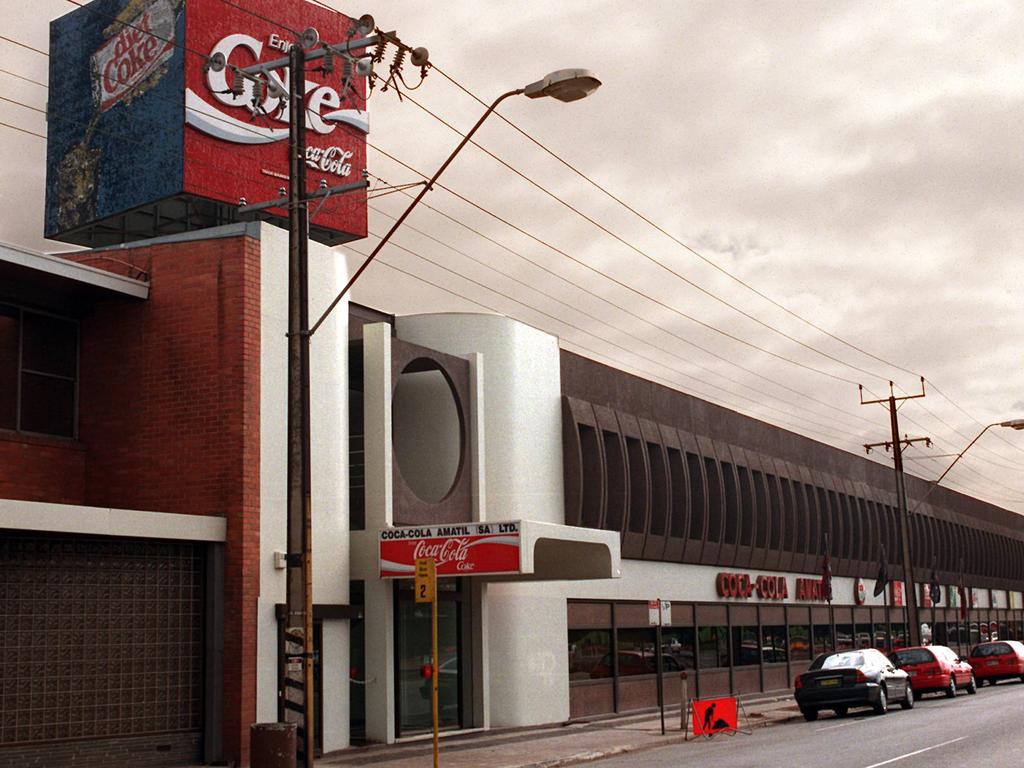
145 140
461 549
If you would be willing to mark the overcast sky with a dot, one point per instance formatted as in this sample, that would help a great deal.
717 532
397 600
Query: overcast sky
861 164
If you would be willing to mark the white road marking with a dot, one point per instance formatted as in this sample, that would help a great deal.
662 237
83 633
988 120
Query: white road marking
841 725
917 752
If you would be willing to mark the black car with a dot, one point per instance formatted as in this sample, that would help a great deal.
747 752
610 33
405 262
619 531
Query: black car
845 679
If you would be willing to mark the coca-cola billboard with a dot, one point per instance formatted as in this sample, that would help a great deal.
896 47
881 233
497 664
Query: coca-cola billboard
145 140
461 549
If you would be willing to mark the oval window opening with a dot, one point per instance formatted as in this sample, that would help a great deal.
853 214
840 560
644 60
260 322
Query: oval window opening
426 431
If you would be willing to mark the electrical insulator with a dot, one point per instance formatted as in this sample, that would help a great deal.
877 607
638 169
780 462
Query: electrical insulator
237 83
328 65
378 52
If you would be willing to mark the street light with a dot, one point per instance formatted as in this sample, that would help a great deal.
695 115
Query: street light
564 85
1012 424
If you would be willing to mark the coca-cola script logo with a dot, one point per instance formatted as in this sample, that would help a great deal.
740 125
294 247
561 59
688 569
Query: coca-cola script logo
323 106
133 54
454 550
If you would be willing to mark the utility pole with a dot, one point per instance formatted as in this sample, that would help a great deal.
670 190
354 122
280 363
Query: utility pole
897 444
297 694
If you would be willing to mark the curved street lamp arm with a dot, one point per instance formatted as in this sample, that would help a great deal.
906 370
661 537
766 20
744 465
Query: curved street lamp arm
935 483
398 222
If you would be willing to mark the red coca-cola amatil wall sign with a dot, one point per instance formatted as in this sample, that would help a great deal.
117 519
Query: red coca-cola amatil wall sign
462 549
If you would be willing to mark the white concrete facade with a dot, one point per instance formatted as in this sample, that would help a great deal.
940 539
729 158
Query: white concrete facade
329 450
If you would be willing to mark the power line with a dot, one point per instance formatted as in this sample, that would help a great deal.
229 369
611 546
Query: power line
644 254
670 236
618 307
23 130
615 280
598 337
596 355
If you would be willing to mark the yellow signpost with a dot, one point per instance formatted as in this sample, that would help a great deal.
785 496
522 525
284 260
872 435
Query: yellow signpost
426 592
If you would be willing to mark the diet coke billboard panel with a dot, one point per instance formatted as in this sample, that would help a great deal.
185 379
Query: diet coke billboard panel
145 140
462 549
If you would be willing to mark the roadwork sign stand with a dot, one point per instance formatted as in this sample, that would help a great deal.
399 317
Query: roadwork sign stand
713 716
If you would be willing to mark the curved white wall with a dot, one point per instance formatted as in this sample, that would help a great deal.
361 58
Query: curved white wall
522 413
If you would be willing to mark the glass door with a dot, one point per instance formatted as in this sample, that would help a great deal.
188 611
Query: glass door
412 658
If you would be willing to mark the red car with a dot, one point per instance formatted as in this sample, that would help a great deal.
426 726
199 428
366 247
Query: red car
998 660
935 669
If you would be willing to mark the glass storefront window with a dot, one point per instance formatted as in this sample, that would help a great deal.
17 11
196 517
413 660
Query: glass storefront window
677 643
773 644
881 637
745 647
899 635
590 653
799 642
822 639
636 652
844 637
713 647
863 637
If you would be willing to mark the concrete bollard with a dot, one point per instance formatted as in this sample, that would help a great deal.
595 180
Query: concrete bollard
272 745
684 700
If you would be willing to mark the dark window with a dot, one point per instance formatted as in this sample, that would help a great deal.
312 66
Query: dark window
775 531
899 635
747 511
615 472
679 643
799 642
677 473
746 649
9 344
637 522
732 513
773 644
835 531
994 649
713 647
767 516
913 656
801 519
38 372
844 637
589 653
789 520
822 638
636 652
863 637
659 488
696 496
714 500
591 481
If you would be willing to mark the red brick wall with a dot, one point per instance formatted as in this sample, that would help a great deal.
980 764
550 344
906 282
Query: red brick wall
41 469
169 405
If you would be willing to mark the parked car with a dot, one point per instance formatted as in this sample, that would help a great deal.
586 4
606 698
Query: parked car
997 660
935 669
862 678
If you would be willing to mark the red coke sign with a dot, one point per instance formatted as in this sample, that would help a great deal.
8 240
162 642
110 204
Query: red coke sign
245 135
461 549
133 53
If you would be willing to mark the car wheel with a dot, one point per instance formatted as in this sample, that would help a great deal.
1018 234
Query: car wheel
882 705
810 715
951 689
908 700
841 711
972 687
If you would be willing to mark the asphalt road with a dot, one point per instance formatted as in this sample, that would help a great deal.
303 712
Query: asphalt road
986 729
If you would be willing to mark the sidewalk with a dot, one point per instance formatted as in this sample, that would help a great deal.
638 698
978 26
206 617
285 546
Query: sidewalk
552 746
